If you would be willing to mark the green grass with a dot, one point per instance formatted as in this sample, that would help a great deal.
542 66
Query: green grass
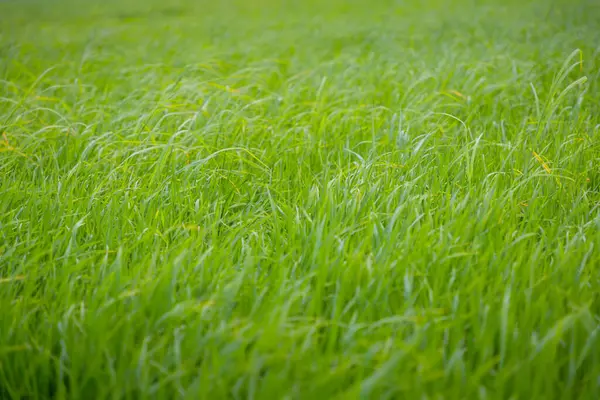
340 199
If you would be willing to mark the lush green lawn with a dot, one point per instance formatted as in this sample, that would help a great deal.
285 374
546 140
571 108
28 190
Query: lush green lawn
320 199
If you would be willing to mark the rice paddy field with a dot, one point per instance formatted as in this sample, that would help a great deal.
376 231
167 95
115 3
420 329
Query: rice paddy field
273 199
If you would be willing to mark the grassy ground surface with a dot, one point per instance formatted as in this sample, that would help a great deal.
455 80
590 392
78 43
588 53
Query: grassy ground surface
340 199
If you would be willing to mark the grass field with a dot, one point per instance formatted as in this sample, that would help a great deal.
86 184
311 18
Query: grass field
312 199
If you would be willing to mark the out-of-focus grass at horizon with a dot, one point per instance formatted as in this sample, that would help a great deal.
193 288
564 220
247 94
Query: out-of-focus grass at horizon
261 199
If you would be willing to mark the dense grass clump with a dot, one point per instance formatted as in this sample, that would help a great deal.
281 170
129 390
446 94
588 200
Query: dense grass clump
269 199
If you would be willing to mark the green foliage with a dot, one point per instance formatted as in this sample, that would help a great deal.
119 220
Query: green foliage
299 200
